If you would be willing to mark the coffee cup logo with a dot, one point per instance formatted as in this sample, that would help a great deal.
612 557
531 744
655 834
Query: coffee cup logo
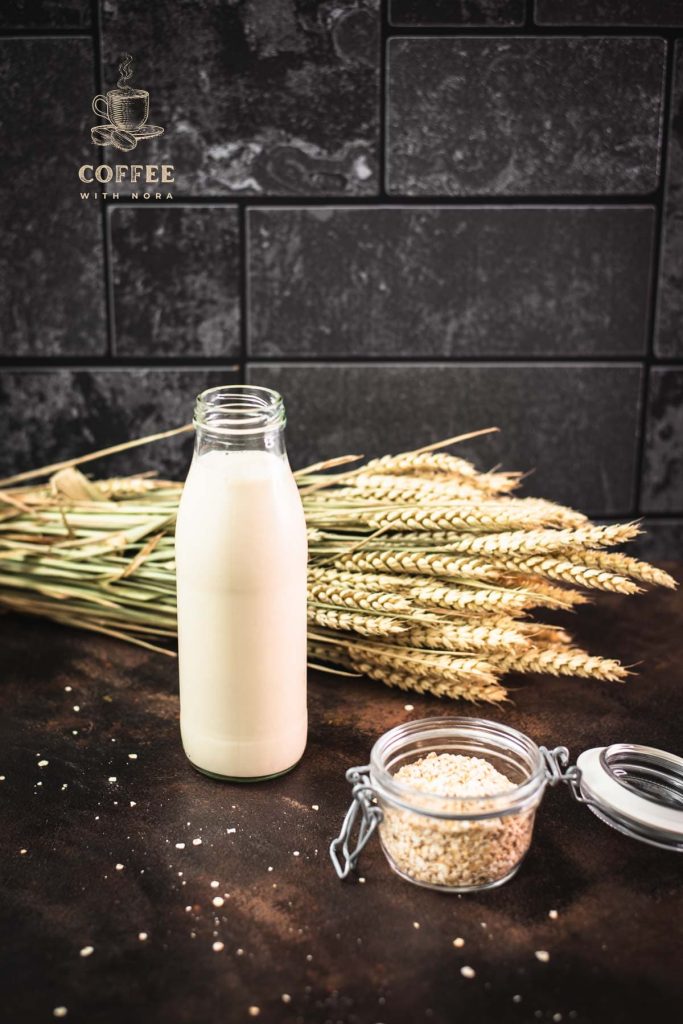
126 112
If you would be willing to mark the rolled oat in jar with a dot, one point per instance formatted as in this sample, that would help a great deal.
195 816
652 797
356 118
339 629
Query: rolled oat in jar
460 852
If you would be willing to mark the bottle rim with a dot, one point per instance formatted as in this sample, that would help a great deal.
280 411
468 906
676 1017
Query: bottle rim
239 409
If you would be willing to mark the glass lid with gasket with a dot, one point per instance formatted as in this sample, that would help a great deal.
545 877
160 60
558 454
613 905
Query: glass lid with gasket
453 800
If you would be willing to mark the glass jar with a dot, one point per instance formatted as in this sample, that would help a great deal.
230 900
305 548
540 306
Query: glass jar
470 843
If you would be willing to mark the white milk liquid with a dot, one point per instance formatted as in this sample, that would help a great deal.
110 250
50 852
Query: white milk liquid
241 575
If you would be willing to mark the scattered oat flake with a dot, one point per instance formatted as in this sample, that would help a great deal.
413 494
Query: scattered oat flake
286 998
270 869
214 884
218 947
23 851
458 943
196 842
43 764
467 972
133 804
408 707
112 778
296 853
60 1011
119 867
74 732
254 1011
188 909
230 831
77 707
87 951
180 846
516 999
316 807
416 924
218 901
2 778
142 936
309 957
543 955
133 757
553 915
557 1017
361 880
68 689
240 952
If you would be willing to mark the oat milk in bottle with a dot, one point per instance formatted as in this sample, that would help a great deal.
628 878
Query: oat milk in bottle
241 577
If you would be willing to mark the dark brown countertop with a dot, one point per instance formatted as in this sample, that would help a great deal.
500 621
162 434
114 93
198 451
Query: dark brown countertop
344 952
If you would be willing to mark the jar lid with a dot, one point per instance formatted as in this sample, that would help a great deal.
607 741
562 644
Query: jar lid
637 790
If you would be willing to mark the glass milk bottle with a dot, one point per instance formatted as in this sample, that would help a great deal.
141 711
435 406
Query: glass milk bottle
241 575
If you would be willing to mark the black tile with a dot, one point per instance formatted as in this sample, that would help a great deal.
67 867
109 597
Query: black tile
609 12
461 13
668 335
448 281
575 426
281 99
176 281
52 292
661 541
50 415
522 116
663 464
47 14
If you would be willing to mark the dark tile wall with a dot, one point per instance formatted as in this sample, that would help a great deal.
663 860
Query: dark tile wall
457 13
449 281
539 408
668 335
176 276
414 218
52 285
524 115
277 97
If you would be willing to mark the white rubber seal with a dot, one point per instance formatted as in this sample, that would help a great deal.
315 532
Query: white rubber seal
610 796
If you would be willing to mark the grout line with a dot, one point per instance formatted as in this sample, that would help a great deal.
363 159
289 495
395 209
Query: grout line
174 362
41 33
243 286
107 257
531 30
558 200
650 358
383 104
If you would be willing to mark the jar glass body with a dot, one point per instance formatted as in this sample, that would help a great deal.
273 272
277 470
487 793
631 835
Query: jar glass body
241 580
457 844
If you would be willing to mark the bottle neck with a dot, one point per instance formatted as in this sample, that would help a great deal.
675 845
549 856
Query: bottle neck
239 418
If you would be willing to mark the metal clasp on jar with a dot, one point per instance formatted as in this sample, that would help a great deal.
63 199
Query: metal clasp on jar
343 857
558 769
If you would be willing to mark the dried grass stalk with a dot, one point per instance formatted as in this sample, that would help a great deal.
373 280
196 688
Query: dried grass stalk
423 570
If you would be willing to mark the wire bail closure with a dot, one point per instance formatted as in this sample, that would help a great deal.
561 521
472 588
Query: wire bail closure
558 769
343 858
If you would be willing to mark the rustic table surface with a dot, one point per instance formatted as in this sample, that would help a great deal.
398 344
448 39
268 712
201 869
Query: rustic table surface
109 835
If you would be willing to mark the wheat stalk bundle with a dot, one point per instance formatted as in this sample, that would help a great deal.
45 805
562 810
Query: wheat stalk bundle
423 572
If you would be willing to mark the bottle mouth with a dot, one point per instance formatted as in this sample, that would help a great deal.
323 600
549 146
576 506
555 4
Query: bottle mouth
239 409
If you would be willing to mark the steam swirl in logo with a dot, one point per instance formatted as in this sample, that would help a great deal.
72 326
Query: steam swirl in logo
125 72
